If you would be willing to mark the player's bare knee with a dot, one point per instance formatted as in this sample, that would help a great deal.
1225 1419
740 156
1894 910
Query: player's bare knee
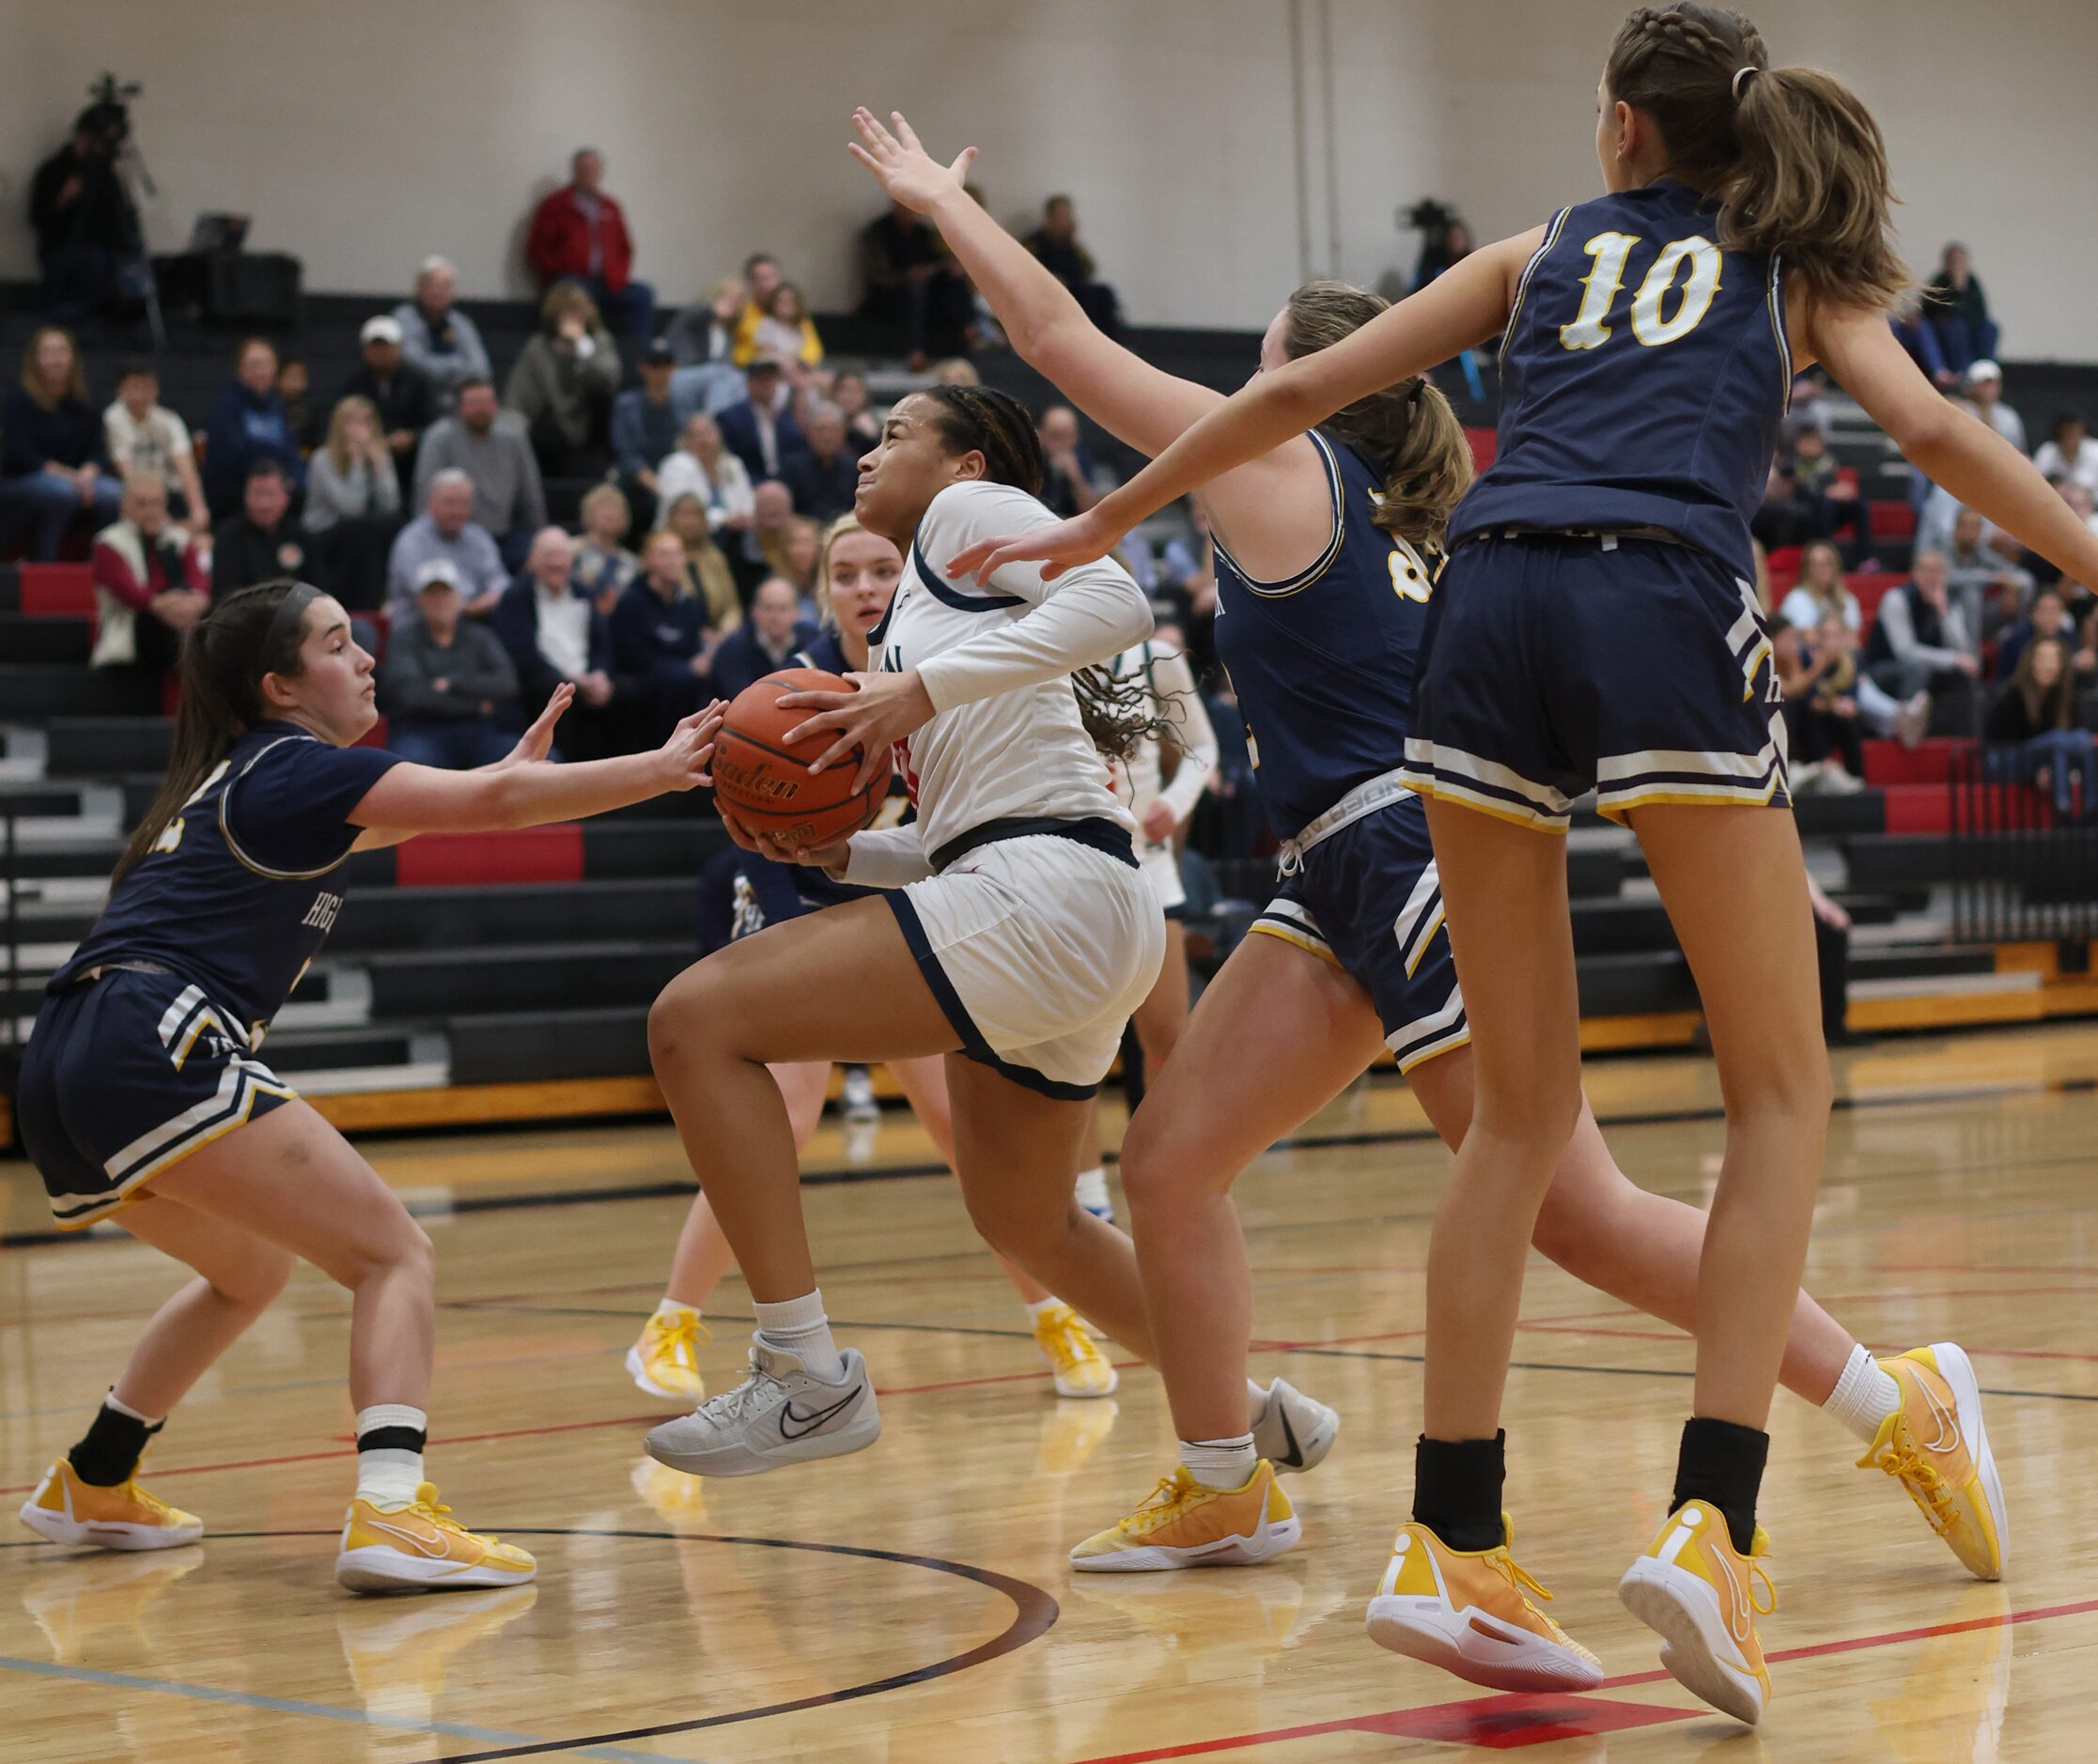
254 1282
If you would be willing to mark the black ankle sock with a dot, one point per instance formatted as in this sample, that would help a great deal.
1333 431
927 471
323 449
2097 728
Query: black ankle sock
110 1451
1722 1464
1456 1490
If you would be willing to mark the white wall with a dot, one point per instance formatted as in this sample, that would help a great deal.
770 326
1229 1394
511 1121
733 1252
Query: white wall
362 136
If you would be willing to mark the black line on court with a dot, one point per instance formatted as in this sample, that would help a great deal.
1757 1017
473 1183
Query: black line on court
1370 1136
1035 1614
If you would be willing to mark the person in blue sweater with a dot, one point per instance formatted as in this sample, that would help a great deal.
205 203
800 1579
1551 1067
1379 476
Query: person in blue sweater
51 465
248 423
765 642
661 635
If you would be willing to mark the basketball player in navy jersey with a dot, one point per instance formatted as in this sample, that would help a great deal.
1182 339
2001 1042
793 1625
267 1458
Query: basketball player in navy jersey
857 572
144 1097
1594 629
1322 661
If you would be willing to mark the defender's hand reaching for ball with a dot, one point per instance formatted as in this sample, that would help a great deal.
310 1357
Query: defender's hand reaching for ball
880 709
690 750
832 858
536 742
1065 546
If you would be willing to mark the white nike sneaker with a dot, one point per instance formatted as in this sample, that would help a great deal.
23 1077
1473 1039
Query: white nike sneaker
1295 1431
780 1415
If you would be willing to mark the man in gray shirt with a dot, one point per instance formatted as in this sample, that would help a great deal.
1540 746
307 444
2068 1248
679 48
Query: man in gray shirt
491 447
444 529
437 337
448 687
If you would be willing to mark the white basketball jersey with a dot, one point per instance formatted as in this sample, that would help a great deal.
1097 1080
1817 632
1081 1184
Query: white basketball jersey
1006 741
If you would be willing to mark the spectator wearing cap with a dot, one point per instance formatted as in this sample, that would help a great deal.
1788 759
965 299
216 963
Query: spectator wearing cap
554 633
765 641
563 381
262 542
449 687
403 395
437 340
141 434
824 479
248 424
579 234
1958 311
445 529
489 445
1985 398
761 430
152 581
645 428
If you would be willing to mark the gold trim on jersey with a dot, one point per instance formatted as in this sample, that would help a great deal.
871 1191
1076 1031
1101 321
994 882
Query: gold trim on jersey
1522 281
1304 578
226 828
1774 298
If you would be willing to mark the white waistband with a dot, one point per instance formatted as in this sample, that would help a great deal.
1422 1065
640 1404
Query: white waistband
1368 796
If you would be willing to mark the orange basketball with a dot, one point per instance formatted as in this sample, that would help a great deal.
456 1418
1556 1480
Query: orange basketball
768 783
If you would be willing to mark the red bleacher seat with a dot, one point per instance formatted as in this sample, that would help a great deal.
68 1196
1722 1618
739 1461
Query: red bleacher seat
1783 565
1485 447
1891 521
530 854
373 737
1928 808
1888 763
57 591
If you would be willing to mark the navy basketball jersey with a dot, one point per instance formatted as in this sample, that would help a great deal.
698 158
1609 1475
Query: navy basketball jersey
1322 664
232 897
1644 376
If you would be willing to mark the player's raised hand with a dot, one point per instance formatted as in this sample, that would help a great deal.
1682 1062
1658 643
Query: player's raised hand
690 750
1065 546
536 742
906 172
881 709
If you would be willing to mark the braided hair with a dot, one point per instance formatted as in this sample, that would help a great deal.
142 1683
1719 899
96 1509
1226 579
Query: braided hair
1119 715
1794 159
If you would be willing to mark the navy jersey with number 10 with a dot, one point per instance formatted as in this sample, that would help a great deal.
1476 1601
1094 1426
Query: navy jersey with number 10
1643 376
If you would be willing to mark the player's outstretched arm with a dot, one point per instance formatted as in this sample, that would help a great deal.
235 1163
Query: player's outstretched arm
1955 450
533 793
1457 311
1124 393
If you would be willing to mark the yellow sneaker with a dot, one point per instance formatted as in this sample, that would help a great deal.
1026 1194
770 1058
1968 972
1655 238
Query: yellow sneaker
1698 1593
1185 1525
1081 1369
1469 1612
417 1547
665 1361
1935 1448
126 1517
95 1607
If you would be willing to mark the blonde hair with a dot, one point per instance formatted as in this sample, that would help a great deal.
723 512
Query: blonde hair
1792 156
706 570
338 448
1410 430
603 496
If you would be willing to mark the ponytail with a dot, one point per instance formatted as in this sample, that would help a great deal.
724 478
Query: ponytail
1410 430
1791 154
225 655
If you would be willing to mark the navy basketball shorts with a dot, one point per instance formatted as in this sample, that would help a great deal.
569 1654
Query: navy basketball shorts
1367 899
1553 664
126 1075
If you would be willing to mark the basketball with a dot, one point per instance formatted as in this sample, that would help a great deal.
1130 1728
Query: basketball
769 783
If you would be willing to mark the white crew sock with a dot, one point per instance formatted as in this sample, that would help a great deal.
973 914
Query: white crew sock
390 1470
799 1326
672 1311
113 1401
1037 1311
1221 1463
1864 1396
1256 1402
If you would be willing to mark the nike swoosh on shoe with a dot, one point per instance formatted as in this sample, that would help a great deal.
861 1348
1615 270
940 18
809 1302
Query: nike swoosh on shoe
807 1424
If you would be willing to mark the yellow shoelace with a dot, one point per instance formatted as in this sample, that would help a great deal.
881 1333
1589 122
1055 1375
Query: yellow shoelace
1520 1578
1173 1497
441 1516
1908 1465
688 1333
1067 1344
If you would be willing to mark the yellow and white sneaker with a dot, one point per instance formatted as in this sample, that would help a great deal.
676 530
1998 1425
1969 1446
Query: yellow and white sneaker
1936 1447
1185 1525
1469 1612
417 1547
126 1517
665 1361
1698 1593
1080 1369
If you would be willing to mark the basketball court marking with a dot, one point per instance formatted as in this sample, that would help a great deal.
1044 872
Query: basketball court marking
1035 1614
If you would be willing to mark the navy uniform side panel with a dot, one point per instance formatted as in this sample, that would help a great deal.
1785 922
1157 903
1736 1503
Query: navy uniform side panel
235 896
1643 376
1322 664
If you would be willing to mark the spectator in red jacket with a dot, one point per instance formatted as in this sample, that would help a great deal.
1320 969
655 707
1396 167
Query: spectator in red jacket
152 581
579 234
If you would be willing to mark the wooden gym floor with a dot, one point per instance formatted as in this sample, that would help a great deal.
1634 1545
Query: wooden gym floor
912 1603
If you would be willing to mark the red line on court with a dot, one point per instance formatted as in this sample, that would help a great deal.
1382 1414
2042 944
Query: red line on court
1384 1721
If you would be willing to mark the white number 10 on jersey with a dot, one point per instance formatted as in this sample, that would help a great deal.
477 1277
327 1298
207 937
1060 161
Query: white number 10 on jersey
1608 254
